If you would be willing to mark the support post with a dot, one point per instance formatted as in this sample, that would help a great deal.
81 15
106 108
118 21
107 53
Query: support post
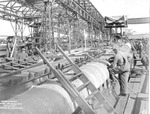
116 30
110 34
78 32
44 26
121 31
15 41
50 29
59 29
89 34
84 40
69 36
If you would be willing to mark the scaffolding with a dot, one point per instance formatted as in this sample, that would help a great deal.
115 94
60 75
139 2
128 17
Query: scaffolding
52 21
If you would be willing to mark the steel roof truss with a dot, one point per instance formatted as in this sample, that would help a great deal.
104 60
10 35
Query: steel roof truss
82 12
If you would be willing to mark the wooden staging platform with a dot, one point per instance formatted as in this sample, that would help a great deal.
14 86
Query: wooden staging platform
135 103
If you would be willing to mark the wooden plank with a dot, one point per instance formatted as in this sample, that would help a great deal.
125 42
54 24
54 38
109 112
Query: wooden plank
140 103
131 101
20 70
144 107
7 63
12 67
134 101
121 104
123 101
18 64
145 83
126 105
23 62
141 99
37 69
3 53
4 71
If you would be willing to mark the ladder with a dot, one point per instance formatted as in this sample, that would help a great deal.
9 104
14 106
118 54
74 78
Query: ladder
73 91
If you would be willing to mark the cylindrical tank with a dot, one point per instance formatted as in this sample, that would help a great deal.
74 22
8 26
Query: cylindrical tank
96 72
51 98
43 99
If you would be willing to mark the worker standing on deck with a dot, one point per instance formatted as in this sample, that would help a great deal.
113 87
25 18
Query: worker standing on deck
121 67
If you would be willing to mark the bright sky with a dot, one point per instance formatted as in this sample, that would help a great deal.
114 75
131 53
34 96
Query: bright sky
131 8
6 28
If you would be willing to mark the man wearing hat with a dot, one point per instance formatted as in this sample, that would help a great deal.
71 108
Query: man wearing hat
121 67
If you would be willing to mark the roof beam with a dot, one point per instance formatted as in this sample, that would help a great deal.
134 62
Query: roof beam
84 14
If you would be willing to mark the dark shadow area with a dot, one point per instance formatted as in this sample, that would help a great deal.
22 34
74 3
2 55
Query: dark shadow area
137 106
138 100
134 81
143 90
141 98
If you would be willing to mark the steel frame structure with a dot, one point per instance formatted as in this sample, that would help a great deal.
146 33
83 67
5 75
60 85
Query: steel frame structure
12 10
28 11
61 17
23 10
68 11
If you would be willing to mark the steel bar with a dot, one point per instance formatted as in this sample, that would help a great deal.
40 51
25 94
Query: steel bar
138 20
19 71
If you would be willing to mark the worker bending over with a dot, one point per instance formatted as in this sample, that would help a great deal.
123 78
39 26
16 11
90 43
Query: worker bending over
121 67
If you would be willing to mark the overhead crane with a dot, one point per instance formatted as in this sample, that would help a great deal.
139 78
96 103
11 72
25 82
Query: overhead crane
122 21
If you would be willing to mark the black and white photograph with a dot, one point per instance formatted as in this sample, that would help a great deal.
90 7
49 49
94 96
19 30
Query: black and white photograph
74 56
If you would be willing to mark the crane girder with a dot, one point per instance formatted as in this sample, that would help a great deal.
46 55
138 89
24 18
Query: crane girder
143 20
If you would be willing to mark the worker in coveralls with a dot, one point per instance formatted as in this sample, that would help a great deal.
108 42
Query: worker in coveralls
121 67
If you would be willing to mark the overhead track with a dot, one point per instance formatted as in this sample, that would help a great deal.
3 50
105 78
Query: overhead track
143 20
